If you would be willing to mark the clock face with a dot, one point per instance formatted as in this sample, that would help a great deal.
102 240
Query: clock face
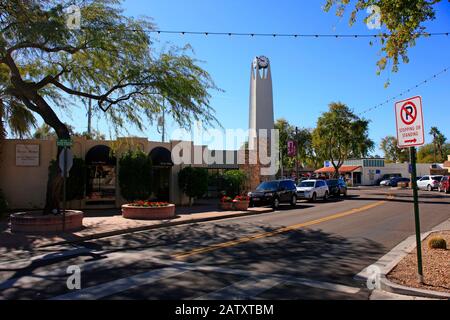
263 62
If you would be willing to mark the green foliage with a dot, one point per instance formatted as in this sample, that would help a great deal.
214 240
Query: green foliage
392 153
404 21
111 61
234 181
437 242
193 182
440 154
341 135
3 204
135 175
425 154
76 182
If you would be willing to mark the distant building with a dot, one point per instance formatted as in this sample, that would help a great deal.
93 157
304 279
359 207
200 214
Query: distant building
369 171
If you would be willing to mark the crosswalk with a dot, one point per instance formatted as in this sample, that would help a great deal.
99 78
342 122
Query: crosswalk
249 284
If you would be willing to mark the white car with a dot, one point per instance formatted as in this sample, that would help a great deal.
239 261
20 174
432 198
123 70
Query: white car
385 182
429 182
313 189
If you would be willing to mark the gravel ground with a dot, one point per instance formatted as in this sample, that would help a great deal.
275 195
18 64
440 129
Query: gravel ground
436 267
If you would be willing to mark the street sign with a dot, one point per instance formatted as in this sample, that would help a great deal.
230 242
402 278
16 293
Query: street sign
409 122
64 143
69 162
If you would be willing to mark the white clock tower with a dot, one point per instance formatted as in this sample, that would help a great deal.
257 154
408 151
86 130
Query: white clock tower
261 100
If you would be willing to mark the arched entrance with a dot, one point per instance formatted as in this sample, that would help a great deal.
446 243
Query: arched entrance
161 167
101 176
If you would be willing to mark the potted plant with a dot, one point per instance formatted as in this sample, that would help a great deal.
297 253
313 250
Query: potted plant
241 202
148 210
226 203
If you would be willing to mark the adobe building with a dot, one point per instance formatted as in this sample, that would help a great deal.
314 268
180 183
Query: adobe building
24 170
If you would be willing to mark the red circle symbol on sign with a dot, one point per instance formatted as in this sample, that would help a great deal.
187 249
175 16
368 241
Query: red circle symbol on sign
408 113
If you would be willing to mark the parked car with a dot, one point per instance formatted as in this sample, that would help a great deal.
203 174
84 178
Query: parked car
393 182
444 185
429 182
313 189
274 193
385 182
337 187
387 177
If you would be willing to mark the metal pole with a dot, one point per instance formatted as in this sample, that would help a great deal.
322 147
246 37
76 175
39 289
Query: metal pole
64 189
296 153
163 121
89 116
416 212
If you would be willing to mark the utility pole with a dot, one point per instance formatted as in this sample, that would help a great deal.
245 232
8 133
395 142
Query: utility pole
89 114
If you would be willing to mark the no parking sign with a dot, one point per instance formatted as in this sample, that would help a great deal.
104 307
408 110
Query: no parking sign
409 122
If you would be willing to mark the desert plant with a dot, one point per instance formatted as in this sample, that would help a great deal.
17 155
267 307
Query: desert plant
76 180
193 182
437 242
135 175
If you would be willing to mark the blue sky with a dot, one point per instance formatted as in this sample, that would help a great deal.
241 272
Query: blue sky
308 74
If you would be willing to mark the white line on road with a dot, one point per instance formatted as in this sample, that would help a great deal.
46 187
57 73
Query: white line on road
120 285
243 290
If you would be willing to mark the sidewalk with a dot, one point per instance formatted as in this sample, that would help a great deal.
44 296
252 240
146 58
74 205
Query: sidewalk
109 222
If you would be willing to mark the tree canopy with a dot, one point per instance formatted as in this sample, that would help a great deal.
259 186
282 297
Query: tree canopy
341 135
110 59
392 153
403 19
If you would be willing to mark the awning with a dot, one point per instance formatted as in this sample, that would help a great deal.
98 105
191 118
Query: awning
161 157
100 154
342 169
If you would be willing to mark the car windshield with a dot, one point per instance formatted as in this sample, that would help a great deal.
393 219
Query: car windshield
267 185
332 182
436 178
307 184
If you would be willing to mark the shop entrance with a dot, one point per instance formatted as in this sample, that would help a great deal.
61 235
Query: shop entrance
101 176
161 173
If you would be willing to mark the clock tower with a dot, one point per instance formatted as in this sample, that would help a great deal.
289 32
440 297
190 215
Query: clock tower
261 101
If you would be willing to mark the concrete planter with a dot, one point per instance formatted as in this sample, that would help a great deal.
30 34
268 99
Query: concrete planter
226 205
148 213
35 222
241 205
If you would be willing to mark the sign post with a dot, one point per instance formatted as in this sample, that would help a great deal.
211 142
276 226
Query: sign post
410 133
65 164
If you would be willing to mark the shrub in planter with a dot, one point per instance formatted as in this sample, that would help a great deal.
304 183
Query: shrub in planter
234 180
193 182
135 175
148 210
437 242
76 181
226 203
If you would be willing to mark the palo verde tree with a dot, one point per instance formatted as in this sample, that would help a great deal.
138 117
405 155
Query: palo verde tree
109 59
341 135
403 23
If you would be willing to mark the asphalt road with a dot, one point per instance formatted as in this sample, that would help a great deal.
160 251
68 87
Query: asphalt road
310 252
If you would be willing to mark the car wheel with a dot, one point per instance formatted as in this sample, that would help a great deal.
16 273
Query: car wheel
314 197
448 190
325 196
429 188
276 203
294 201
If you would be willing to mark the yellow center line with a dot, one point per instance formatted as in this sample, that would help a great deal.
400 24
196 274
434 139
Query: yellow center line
231 243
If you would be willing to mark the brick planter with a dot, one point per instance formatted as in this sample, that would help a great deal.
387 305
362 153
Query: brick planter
226 205
241 205
148 213
35 222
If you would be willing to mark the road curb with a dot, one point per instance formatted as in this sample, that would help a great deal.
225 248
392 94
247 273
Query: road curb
143 228
390 260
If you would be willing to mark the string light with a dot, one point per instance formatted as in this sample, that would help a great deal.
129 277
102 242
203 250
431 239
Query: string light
434 76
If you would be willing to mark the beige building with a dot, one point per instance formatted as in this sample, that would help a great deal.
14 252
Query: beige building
24 169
